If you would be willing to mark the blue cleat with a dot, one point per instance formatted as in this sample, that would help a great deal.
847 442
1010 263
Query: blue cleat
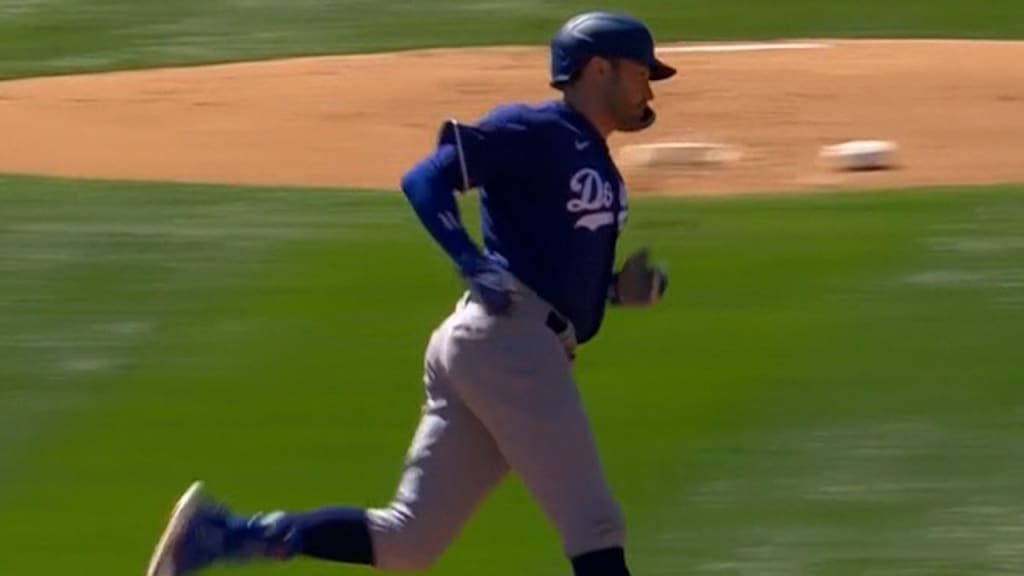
202 532
194 537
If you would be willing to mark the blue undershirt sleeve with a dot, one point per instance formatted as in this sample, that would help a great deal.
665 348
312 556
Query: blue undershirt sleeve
466 157
429 187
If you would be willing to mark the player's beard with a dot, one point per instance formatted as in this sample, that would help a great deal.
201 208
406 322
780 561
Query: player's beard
627 115
634 120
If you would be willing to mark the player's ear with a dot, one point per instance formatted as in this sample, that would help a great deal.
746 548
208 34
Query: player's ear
603 67
596 68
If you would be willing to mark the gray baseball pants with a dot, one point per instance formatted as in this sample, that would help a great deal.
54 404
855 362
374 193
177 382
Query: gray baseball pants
500 397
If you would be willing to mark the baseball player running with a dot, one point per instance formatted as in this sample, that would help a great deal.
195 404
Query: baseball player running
499 390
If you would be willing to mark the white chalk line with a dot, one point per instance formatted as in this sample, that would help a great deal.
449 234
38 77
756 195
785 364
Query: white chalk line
749 47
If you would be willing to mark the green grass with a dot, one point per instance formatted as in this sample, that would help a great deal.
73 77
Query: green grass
830 387
59 36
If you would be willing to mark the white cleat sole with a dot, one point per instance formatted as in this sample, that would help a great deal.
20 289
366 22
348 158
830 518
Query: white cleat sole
161 563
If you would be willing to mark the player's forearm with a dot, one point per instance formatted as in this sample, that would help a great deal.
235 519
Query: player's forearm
429 187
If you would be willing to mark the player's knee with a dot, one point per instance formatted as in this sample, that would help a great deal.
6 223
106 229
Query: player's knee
403 543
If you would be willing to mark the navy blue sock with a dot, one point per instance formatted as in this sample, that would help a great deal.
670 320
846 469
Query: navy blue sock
605 562
339 534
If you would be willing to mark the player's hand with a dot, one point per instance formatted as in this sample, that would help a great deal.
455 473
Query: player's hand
639 283
490 283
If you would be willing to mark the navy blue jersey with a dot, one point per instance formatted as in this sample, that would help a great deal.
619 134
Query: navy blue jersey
552 202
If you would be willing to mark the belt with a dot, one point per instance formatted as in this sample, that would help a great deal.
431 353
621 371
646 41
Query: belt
556 322
564 331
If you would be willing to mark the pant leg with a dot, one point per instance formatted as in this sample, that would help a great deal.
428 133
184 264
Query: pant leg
452 464
515 376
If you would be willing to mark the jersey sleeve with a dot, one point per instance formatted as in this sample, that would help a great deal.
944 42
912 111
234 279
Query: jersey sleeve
486 152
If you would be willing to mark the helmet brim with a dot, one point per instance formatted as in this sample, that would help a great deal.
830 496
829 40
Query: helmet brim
661 71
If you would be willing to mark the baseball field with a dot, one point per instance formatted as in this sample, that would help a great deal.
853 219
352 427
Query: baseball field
206 272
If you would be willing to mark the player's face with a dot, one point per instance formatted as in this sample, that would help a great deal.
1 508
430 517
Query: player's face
627 93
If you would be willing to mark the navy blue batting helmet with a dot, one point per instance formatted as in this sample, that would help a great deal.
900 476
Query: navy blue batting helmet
605 34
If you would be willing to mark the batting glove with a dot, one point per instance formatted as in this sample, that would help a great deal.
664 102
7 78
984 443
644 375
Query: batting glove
638 283
489 282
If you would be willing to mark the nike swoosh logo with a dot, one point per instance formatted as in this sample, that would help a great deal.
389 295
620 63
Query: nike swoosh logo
582 144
